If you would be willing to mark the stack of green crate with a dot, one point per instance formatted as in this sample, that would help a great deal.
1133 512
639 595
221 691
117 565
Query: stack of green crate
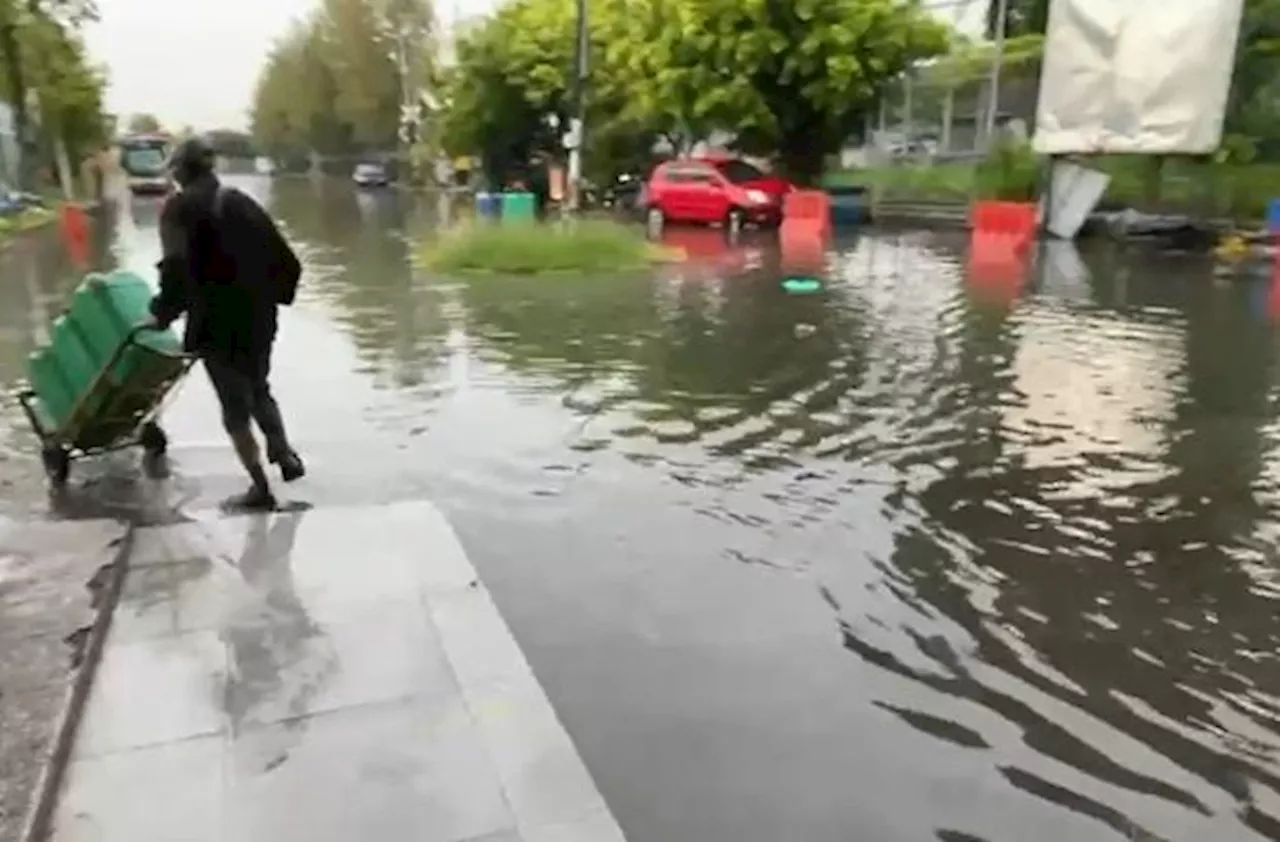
69 374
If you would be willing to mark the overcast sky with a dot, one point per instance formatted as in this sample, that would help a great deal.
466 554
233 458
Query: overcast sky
198 67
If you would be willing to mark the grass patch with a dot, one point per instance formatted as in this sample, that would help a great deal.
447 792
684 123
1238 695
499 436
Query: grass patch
26 220
1234 191
580 247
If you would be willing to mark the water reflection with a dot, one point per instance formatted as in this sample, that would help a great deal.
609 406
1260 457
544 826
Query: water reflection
1038 517
1078 519
357 252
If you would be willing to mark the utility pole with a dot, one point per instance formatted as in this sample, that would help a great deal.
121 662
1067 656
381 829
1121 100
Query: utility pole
577 125
997 62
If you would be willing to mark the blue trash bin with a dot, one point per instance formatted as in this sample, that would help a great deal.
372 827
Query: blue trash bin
849 206
1273 216
489 205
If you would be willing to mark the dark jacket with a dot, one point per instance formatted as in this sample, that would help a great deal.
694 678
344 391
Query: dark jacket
227 266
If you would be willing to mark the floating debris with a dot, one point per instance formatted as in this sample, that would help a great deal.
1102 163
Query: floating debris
801 285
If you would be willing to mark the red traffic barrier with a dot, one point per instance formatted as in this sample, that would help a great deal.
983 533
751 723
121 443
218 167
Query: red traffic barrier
1003 225
75 233
809 209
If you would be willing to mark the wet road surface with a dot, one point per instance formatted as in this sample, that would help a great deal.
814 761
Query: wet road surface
914 557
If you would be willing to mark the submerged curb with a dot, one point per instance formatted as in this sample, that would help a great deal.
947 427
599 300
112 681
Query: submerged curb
45 798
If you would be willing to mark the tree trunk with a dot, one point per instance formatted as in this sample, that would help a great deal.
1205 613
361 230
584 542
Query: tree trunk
802 159
17 83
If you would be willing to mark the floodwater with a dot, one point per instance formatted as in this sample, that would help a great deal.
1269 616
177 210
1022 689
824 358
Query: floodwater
918 556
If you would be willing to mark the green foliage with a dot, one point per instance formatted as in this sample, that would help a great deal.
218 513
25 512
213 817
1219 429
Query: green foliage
42 54
583 247
334 83
819 66
70 89
1011 172
792 78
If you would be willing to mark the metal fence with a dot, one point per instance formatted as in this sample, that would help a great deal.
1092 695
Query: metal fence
942 117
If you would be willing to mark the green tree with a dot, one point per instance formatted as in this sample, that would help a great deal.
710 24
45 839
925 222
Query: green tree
1253 108
19 48
667 73
795 79
293 111
511 93
69 89
334 84
508 92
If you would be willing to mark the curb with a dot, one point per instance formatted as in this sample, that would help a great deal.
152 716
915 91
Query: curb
40 812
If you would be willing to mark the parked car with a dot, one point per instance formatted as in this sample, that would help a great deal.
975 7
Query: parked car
727 191
370 175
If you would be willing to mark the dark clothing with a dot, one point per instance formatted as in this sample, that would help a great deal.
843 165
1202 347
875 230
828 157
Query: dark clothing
245 395
227 266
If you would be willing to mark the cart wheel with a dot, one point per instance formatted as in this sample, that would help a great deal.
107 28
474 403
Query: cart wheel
153 439
57 464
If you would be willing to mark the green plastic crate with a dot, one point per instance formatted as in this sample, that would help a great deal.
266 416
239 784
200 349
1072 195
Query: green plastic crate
69 376
518 207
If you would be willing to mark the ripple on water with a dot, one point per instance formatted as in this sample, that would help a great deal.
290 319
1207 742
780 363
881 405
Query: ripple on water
1039 527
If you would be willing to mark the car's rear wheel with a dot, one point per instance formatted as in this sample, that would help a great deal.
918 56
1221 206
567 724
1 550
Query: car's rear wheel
735 221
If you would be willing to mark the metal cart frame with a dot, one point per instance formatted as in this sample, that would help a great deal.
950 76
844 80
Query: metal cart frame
120 421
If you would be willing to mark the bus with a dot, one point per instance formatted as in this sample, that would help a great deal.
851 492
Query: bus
143 158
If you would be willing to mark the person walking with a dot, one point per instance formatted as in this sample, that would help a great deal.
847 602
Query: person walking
226 265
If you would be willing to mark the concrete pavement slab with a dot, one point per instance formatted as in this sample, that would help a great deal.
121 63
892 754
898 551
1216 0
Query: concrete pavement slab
321 674
49 578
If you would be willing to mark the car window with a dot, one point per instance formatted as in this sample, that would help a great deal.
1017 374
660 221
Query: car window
689 174
145 160
739 172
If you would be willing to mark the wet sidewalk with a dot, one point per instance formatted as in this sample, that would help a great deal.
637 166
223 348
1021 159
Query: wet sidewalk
330 674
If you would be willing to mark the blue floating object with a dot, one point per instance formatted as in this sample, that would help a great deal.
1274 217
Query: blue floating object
801 285
1273 216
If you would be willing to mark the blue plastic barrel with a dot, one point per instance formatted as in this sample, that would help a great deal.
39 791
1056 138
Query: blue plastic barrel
1273 216
489 205
849 205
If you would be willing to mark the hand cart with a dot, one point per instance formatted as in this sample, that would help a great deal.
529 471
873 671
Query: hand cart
99 383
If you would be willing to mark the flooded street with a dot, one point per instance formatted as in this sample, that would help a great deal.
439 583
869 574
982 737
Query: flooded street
909 558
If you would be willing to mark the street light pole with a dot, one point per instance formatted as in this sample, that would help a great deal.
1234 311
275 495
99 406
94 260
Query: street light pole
577 125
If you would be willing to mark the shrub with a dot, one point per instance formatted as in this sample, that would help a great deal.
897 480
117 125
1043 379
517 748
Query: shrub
583 247
1011 172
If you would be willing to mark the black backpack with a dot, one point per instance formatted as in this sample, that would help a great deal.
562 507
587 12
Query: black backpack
287 271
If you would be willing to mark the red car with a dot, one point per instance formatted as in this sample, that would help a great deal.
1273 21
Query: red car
728 191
